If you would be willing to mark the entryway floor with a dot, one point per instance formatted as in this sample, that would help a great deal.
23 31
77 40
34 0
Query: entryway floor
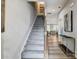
54 51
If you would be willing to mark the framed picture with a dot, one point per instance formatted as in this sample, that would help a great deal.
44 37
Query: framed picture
2 15
68 22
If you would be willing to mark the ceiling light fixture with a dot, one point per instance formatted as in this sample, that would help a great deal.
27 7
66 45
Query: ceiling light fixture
53 10
41 2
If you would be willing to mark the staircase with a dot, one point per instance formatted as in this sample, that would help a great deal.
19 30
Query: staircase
34 49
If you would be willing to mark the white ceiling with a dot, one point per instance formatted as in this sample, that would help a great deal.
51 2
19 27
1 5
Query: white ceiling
51 6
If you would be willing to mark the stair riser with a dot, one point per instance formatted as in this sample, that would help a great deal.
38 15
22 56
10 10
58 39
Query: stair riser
34 48
33 37
37 30
36 34
38 43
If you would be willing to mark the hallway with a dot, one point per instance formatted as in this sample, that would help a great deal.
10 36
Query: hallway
54 51
35 46
39 29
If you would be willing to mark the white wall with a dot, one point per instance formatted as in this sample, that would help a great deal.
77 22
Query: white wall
66 10
61 20
19 18
51 19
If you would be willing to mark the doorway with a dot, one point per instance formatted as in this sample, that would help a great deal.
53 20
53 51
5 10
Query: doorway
52 29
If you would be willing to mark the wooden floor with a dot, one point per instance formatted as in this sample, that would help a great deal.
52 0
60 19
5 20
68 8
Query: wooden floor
54 51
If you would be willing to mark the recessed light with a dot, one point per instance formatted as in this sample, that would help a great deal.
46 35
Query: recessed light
41 2
53 10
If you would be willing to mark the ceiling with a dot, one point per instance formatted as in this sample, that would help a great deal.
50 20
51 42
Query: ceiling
54 6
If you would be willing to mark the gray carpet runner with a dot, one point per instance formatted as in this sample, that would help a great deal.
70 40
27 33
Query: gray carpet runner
34 49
